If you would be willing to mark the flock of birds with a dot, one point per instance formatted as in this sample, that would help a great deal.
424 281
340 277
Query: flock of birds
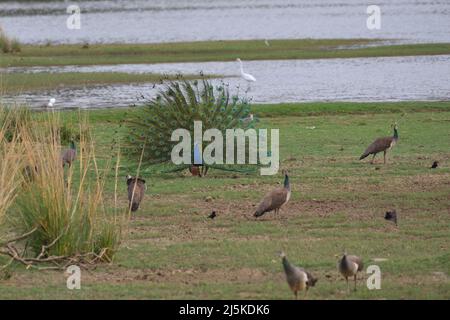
297 278
348 266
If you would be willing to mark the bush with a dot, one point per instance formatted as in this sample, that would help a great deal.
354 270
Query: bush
10 161
177 106
63 213
68 133
11 118
8 45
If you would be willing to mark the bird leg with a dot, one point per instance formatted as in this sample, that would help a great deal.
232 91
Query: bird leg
296 295
373 158
355 282
348 286
384 156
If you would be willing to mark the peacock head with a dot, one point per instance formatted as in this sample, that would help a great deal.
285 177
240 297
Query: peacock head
72 144
282 254
395 130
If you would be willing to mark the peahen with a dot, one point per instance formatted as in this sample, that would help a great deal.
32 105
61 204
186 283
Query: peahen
381 145
136 190
349 266
297 278
275 199
69 155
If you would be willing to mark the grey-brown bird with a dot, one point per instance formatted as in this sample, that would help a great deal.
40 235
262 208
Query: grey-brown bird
349 266
136 190
275 199
381 145
69 155
297 278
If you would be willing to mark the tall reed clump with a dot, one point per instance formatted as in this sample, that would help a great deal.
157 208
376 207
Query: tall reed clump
8 45
10 161
64 210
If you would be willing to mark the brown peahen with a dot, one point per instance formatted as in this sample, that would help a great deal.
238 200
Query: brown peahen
349 266
136 189
381 145
69 155
275 199
297 278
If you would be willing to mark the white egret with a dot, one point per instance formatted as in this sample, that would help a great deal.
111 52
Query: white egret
246 76
51 103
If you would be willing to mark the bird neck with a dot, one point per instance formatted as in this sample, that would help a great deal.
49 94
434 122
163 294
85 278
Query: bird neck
395 133
242 68
344 261
72 145
287 185
286 265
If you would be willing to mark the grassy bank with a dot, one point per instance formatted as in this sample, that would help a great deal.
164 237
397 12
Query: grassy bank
174 251
212 51
336 108
19 82
282 110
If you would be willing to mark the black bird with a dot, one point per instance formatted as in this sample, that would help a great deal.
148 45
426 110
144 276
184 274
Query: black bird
434 165
212 215
391 216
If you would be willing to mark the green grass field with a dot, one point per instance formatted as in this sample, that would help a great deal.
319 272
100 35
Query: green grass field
57 55
173 251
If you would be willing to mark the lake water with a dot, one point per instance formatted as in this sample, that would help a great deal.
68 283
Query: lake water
361 79
140 21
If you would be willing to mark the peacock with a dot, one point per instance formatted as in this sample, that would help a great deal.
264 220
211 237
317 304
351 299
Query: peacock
136 190
349 266
177 105
69 155
381 144
275 199
297 278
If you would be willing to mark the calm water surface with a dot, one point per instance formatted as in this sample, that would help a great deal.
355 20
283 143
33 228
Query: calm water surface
142 21
361 79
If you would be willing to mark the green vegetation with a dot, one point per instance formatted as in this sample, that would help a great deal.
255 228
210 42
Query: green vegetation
59 217
337 108
173 251
98 54
20 82
8 45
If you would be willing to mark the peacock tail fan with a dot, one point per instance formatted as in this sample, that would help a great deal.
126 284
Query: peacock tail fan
177 105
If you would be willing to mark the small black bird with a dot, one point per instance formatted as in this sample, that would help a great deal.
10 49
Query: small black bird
212 215
434 165
391 216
